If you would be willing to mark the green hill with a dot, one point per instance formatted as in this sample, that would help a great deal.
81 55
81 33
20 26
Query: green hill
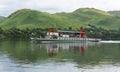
27 18
115 13
1 18
86 16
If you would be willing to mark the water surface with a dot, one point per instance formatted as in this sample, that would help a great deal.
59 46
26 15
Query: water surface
24 56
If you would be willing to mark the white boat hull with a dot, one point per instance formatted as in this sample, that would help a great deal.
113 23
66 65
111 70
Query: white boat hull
65 40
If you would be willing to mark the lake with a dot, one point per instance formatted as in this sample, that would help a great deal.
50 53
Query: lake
24 56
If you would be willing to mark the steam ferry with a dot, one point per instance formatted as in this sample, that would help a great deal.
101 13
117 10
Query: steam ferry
54 35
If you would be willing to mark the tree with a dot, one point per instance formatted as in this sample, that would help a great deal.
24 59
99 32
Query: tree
70 28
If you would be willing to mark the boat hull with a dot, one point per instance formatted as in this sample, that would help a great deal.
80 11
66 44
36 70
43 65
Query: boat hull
43 40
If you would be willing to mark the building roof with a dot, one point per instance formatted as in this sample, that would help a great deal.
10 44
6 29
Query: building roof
68 31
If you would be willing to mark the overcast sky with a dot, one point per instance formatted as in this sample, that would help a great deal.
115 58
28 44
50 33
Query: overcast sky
9 6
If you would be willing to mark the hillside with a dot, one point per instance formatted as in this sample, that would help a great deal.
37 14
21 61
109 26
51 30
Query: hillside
86 16
1 18
115 13
27 18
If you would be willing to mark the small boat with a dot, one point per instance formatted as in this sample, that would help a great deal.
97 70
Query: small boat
54 35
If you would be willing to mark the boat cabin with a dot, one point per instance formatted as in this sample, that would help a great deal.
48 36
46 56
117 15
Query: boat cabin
54 34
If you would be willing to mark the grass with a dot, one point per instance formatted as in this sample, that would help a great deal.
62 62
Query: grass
27 18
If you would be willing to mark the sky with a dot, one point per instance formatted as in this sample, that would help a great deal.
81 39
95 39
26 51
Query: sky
53 6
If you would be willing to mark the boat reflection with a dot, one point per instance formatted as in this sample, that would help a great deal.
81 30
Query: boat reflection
54 48
81 54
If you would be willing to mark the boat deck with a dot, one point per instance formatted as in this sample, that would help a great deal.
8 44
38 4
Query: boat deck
66 39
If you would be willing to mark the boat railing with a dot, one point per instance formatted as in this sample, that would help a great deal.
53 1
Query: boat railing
68 38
